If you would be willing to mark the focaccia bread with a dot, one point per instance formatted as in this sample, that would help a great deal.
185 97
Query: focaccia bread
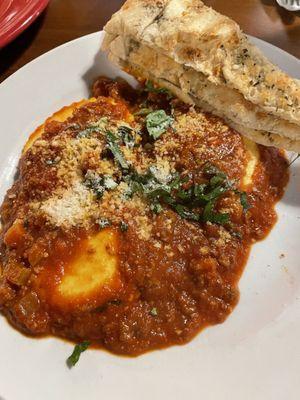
205 58
259 136
192 87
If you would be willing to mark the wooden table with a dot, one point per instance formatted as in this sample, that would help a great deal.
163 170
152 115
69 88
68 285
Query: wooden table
65 20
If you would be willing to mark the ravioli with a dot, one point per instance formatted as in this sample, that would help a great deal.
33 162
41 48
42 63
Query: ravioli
131 220
94 267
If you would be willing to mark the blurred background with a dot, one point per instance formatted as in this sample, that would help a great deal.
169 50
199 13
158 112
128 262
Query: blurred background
64 20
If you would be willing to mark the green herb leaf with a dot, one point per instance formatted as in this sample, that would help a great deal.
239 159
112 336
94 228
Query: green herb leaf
185 195
149 87
103 223
185 213
157 123
78 349
155 190
109 183
244 201
116 302
211 170
112 143
94 182
125 133
98 126
181 195
123 226
217 179
133 186
51 162
85 133
209 215
143 112
156 208
237 234
154 312
103 307
98 184
214 193
199 191
175 182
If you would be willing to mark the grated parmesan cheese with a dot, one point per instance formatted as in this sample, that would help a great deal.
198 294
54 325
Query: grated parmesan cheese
71 208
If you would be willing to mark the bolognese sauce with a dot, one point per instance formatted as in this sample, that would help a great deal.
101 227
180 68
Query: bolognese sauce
131 220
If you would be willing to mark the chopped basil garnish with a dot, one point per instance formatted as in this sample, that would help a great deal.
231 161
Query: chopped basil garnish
78 349
185 213
109 183
244 201
94 182
85 133
103 223
98 126
214 193
156 208
149 87
116 302
103 307
199 191
194 202
157 123
112 143
143 112
125 132
123 226
217 179
209 215
50 162
98 184
237 234
154 312
214 173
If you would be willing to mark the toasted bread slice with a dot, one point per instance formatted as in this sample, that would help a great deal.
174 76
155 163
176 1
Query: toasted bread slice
223 101
255 120
207 57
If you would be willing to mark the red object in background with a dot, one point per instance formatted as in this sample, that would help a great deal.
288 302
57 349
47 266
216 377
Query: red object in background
16 16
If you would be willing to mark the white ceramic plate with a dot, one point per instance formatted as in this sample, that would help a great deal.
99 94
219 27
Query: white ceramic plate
254 355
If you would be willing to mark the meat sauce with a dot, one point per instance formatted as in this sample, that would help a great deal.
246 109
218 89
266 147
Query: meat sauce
172 281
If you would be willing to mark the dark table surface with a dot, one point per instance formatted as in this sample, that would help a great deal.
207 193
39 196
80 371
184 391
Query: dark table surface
65 20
